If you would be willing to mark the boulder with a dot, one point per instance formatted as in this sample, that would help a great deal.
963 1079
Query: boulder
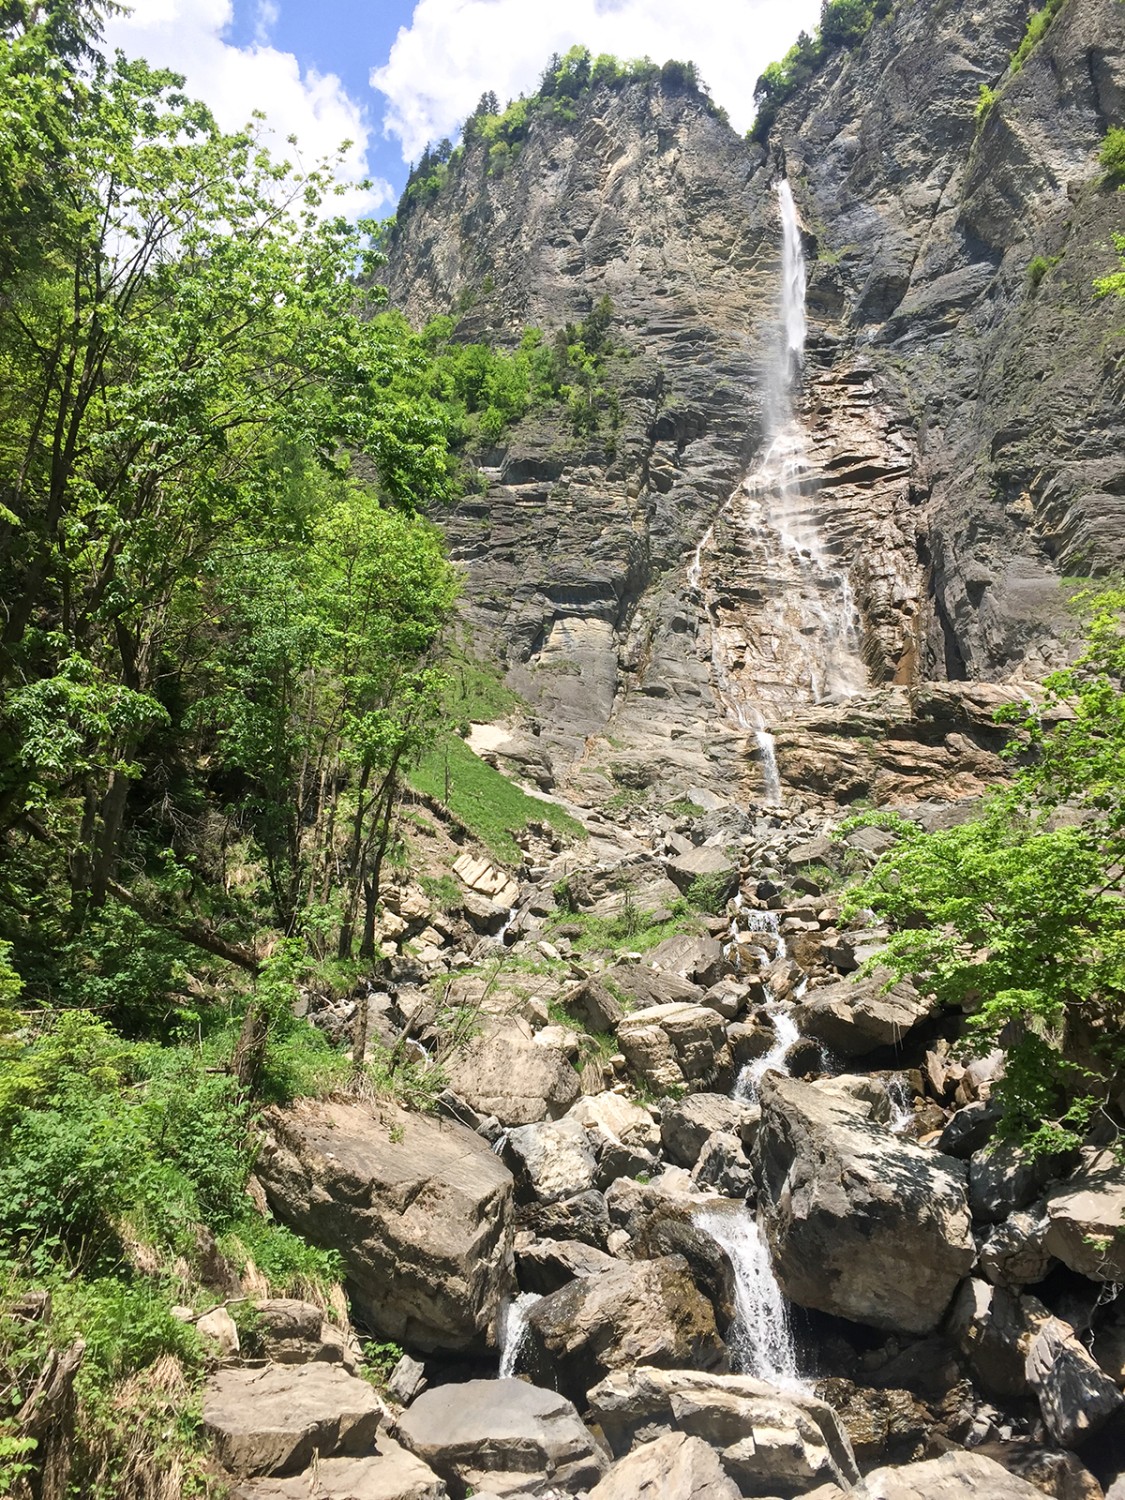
708 862
217 1328
504 1436
551 1161
854 1017
770 1441
970 1129
724 1166
391 1474
487 879
617 1119
1077 1398
1015 1252
860 1223
595 1005
273 1419
1002 1179
699 959
584 1217
644 986
992 1329
549 1264
684 1127
954 1476
646 1312
674 1467
669 1045
1087 1219
504 1071
290 1332
419 1209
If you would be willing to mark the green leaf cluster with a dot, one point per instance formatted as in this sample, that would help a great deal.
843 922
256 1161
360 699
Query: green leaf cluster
843 25
1018 916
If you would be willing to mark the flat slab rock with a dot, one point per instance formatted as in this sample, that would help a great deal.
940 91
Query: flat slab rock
502 1436
954 1476
390 1474
674 1467
419 1208
273 1419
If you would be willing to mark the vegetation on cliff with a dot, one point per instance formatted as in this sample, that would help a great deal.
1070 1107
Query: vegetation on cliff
843 24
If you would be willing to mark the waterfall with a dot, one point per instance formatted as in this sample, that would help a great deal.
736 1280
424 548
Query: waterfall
513 1330
902 1112
805 644
760 1338
785 1033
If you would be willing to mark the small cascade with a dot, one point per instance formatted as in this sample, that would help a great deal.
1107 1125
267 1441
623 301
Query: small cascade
502 935
785 1033
761 1336
512 1330
902 1114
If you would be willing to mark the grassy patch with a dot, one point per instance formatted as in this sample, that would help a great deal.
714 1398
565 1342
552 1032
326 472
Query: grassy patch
629 929
490 806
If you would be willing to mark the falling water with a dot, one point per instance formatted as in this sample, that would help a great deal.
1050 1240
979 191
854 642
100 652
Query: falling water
785 1033
760 1338
902 1115
513 1330
806 642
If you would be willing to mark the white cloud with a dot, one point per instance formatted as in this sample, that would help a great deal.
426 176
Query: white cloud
453 50
187 35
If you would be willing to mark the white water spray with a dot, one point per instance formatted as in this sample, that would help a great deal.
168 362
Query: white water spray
761 1337
512 1330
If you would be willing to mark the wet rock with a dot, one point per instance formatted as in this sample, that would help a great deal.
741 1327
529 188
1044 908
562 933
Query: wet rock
1087 1214
1058 1474
420 1210
502 1435
272 1420
880 1423
504 1071
552 1161
669 1045
860 1223
391 1474
1076 1398
674 1467
770 1441
854 1017
648 1312
685 1126
290 1332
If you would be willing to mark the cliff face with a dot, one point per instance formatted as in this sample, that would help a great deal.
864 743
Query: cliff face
960 449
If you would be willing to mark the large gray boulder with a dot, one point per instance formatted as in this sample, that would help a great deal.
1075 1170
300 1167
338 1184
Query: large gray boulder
419 1209
954 1476
1087 1214
685 1127
551 1161
643 1313
273 1419
860 1223
504 1071
674 1467
770 1441
670 1045
290 1332
504 1436
390 1474
854 1017
1077 1398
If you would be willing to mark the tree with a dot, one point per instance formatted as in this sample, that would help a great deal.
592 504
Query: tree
1018 916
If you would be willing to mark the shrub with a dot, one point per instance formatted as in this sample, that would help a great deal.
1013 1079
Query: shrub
986 98
1112 153
1039 23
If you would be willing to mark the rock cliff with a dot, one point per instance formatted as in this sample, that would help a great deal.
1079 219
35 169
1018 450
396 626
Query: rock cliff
960 414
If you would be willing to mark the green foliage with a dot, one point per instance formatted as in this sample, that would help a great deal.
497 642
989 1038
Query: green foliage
1113 285
1018 915
1039 266
1112 152
843 24
986 98
630 929
1038 25
709 893
379 1360
493 808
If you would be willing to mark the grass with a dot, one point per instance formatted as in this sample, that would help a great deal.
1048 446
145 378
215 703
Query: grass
1039 22
490 806
630 929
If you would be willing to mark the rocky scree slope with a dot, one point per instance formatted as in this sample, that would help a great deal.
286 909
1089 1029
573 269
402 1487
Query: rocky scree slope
739 1224
960 419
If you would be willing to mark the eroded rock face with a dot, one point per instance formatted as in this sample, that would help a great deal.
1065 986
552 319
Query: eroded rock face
1087 1220
420 1209
860 1223
503 1071
391 1474
504 1436
954 1476
649 1313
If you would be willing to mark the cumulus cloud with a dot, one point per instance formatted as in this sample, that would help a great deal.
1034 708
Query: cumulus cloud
453 50
188 35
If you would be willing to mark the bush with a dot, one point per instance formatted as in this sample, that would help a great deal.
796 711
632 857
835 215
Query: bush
986 98
1112 153
1039 23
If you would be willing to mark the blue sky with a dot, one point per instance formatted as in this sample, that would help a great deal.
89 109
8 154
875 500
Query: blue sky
389 75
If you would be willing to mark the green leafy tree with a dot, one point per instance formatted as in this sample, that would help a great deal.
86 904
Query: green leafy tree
1018 916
